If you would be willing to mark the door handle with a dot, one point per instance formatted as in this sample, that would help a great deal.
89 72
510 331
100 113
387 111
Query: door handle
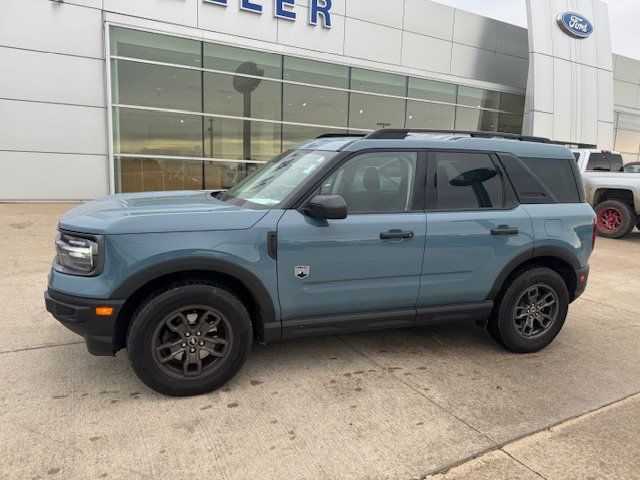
504 230
395 234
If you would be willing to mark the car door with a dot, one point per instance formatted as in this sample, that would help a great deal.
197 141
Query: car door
475 227
368 262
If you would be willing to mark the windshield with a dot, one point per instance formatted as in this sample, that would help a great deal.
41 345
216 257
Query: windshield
271 184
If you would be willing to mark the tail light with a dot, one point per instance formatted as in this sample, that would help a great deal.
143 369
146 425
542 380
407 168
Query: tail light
595 233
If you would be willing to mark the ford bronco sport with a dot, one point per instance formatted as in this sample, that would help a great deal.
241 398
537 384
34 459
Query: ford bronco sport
398 229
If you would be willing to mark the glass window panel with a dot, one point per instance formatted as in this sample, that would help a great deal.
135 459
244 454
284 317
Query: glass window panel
629 122
432 90
467 181
240 139
378 82
224 95
372 112
316 73
151 46
476 97
557 175
512 103
375 182
240 60
145 175
294 134
628 142
476 120
430 115
508 123
156 133
155 86
315 105
224 175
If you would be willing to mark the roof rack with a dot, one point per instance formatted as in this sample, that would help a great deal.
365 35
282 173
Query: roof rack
402 133
340 135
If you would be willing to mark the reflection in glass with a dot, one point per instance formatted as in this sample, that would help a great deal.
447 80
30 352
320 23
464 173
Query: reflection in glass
315 105
225 95
430 115
233 59
476 97
378 82
432 90
156 133
371 112
476 120
225 138
150 175
152 46
510 123
512 103
628 142
136 83
224 175
293 134
316 73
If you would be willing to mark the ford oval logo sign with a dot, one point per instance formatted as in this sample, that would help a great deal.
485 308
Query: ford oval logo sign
575 24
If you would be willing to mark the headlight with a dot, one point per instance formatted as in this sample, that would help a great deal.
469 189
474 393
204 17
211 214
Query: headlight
77 255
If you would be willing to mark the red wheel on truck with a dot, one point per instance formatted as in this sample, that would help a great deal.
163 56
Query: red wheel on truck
610 220
615 219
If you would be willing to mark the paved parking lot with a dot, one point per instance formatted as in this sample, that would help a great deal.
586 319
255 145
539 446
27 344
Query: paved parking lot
443 401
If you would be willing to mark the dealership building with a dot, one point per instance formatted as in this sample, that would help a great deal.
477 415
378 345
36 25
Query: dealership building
108 96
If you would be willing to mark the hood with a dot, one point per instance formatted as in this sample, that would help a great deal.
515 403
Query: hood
156 212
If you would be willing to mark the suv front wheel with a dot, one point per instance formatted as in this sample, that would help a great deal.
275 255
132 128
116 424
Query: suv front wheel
531 311
189 339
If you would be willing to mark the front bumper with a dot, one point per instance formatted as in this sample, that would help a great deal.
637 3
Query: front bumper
78 315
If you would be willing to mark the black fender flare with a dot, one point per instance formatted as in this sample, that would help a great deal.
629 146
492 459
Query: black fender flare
539 251
254 285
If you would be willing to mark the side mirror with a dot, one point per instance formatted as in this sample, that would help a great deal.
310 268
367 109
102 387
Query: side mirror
328 207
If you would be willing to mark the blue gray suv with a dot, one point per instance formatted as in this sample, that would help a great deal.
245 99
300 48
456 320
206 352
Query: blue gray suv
397 229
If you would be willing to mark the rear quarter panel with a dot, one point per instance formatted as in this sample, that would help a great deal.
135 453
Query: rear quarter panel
565 226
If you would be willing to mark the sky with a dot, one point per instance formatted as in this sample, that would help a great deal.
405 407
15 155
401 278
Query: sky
624 17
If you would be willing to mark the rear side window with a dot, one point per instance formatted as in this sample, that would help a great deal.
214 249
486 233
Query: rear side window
608 162
557 175
467 181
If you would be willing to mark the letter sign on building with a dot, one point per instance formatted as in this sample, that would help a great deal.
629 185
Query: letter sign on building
285 9
575 24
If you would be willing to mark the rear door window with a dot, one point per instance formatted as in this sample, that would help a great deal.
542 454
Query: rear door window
557 175
467 181
607 162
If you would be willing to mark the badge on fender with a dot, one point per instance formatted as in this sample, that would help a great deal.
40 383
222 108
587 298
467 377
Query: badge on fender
301 272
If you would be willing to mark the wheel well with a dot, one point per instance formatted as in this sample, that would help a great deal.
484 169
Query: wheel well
561 267
143 293
625 196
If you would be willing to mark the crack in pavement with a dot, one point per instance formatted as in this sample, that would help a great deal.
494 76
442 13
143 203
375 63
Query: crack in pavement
25 349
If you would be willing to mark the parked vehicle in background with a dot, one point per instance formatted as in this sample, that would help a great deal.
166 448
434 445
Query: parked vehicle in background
397 229
632 167
612 192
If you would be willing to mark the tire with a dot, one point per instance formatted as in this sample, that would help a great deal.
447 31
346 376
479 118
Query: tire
615 219
176 341
513 333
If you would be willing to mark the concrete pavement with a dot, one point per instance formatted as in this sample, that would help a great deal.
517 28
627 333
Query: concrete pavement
410 403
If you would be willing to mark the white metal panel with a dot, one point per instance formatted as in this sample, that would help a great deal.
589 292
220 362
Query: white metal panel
377 11
563 91
544 124
587 110
85 3
51 27
49 77
512 40
474 30
561 46
627 69
584 50
605 135
605 96
49 176
302 35
49 127
183 12
426 53
625 94
429 18
542 68
372 42
237 22
539 30
603 36
337 6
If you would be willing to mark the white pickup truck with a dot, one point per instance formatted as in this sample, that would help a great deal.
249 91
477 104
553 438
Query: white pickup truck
613 193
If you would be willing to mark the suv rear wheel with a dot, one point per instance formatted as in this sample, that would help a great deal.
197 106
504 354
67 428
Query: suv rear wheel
189 339
615 219
531 311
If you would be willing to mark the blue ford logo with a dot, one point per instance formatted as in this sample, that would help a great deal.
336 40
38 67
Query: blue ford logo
575 24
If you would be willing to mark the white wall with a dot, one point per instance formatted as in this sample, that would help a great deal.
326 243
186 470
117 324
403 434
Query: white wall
53 107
